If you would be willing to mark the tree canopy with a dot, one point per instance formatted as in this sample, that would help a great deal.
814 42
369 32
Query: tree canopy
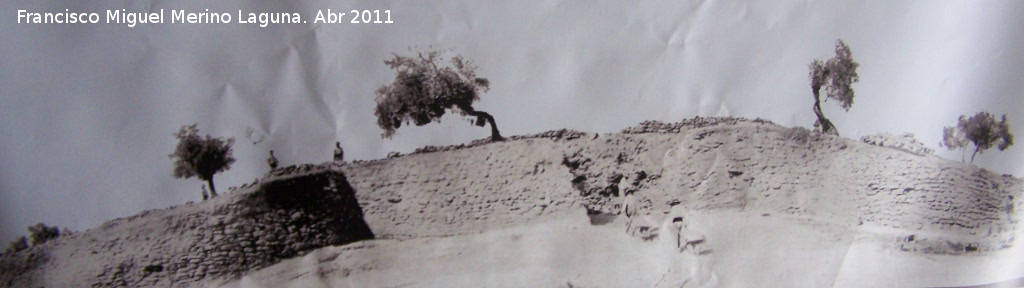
201 157
424 90
982 130
837 76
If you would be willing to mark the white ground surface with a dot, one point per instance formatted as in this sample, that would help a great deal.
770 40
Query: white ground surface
744 249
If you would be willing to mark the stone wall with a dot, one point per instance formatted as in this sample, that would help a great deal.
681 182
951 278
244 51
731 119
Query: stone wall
943 206
465 190
905 141
706 163
249 228
769 168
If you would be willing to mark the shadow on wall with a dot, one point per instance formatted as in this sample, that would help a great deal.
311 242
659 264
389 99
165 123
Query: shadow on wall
336 215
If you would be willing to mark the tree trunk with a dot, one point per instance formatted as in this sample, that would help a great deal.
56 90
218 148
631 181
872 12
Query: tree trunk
481 115
823 123
973 154
213 189
963 155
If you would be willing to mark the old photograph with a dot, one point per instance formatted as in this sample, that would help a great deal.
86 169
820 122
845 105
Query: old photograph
537 143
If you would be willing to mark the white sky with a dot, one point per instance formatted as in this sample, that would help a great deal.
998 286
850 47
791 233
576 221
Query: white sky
87 111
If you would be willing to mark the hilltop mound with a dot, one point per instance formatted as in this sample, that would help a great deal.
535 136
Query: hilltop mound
908 201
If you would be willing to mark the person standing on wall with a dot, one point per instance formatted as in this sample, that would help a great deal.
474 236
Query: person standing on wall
272 161
339 154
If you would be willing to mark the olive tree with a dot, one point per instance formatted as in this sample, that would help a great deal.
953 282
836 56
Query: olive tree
836 75
982 130
201 157
425 89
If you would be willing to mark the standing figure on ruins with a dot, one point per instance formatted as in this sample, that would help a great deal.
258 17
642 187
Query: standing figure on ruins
272 161
339 154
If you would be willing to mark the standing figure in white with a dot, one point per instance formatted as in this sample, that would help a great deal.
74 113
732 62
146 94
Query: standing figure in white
629 209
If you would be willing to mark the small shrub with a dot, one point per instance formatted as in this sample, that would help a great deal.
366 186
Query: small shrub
798 134
40 233
17 245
